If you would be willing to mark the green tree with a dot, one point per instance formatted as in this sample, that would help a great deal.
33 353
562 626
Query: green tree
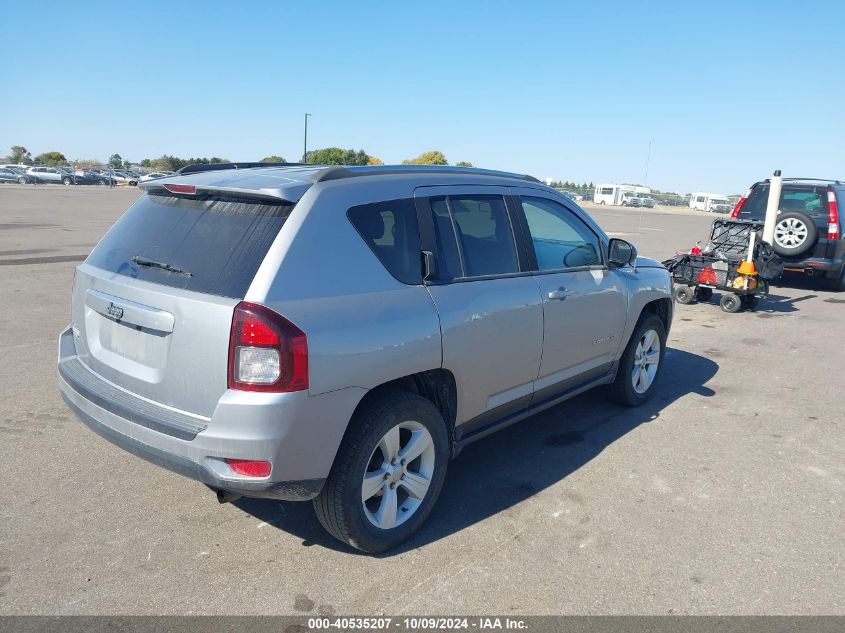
167 163
427 158
20 155
51 158
464 163
272 159
372 160
115 161
145 162
337 156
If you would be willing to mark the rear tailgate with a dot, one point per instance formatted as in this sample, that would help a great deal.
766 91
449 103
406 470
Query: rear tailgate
152 304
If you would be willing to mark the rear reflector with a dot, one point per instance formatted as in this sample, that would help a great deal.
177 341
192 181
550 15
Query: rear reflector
188 189
832 216
249 467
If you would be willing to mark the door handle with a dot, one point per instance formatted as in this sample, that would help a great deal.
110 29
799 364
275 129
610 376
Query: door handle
559 295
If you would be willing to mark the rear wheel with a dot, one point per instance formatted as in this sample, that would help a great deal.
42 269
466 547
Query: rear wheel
21 180
387 474
641 363
730 302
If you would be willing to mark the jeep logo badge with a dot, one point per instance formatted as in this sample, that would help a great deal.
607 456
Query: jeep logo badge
115 312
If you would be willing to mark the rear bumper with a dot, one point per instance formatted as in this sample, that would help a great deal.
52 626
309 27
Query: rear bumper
299 434
815 265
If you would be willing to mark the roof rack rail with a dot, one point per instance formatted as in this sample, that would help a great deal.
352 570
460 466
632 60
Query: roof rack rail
338 172
199 168
834 180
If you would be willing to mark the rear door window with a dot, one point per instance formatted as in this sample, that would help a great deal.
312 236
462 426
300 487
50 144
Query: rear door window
212 245
390 230
482 229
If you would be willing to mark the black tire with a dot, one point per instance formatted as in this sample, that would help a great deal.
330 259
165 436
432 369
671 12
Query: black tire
703 294
339 507
684 294
730 303
21 180
133 183
622 388
799 219
67 181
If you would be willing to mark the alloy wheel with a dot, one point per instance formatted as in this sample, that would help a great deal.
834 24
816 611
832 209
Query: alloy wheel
398 475
646 360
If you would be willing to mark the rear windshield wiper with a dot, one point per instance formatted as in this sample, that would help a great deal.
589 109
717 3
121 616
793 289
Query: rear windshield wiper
151 263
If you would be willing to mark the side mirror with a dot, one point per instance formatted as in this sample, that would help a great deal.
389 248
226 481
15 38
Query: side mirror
620 252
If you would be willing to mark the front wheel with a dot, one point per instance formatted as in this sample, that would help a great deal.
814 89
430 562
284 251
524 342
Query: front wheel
387 474
641 363
21 180
67 181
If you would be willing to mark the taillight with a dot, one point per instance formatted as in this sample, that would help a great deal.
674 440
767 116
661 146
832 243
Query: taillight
266 351
832 216
738 207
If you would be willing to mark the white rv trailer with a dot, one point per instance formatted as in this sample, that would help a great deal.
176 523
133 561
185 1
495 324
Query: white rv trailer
709 202
610 193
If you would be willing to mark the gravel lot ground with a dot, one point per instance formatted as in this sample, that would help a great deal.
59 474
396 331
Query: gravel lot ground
724 495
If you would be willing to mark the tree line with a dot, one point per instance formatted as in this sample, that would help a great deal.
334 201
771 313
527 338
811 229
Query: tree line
19 155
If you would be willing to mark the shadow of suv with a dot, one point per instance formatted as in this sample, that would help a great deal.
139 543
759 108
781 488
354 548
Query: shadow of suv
338 334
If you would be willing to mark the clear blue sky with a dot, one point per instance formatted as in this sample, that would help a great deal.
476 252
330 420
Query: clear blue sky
726 91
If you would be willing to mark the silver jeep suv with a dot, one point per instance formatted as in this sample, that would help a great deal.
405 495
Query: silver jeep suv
338 334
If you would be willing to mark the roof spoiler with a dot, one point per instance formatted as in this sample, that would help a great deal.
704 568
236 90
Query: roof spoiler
196 169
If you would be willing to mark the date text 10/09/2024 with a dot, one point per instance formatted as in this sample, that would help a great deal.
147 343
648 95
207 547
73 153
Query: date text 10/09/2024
412 623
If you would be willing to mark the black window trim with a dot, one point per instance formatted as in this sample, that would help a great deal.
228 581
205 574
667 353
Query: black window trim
530 244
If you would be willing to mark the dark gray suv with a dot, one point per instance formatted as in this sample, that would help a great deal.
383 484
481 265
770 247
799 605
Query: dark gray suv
809 232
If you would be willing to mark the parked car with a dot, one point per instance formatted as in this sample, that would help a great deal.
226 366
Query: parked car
809 230
451 303
10 175
50 174
647 201
156 174
124 177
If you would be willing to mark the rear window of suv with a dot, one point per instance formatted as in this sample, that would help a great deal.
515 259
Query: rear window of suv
808 199
211 245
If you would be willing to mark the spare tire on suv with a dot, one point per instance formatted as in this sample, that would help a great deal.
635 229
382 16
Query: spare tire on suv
795 234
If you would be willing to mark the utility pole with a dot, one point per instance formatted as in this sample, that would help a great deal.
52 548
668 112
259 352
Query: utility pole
647 161
305 141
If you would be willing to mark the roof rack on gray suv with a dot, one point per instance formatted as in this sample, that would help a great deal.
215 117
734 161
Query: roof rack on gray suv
338 334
